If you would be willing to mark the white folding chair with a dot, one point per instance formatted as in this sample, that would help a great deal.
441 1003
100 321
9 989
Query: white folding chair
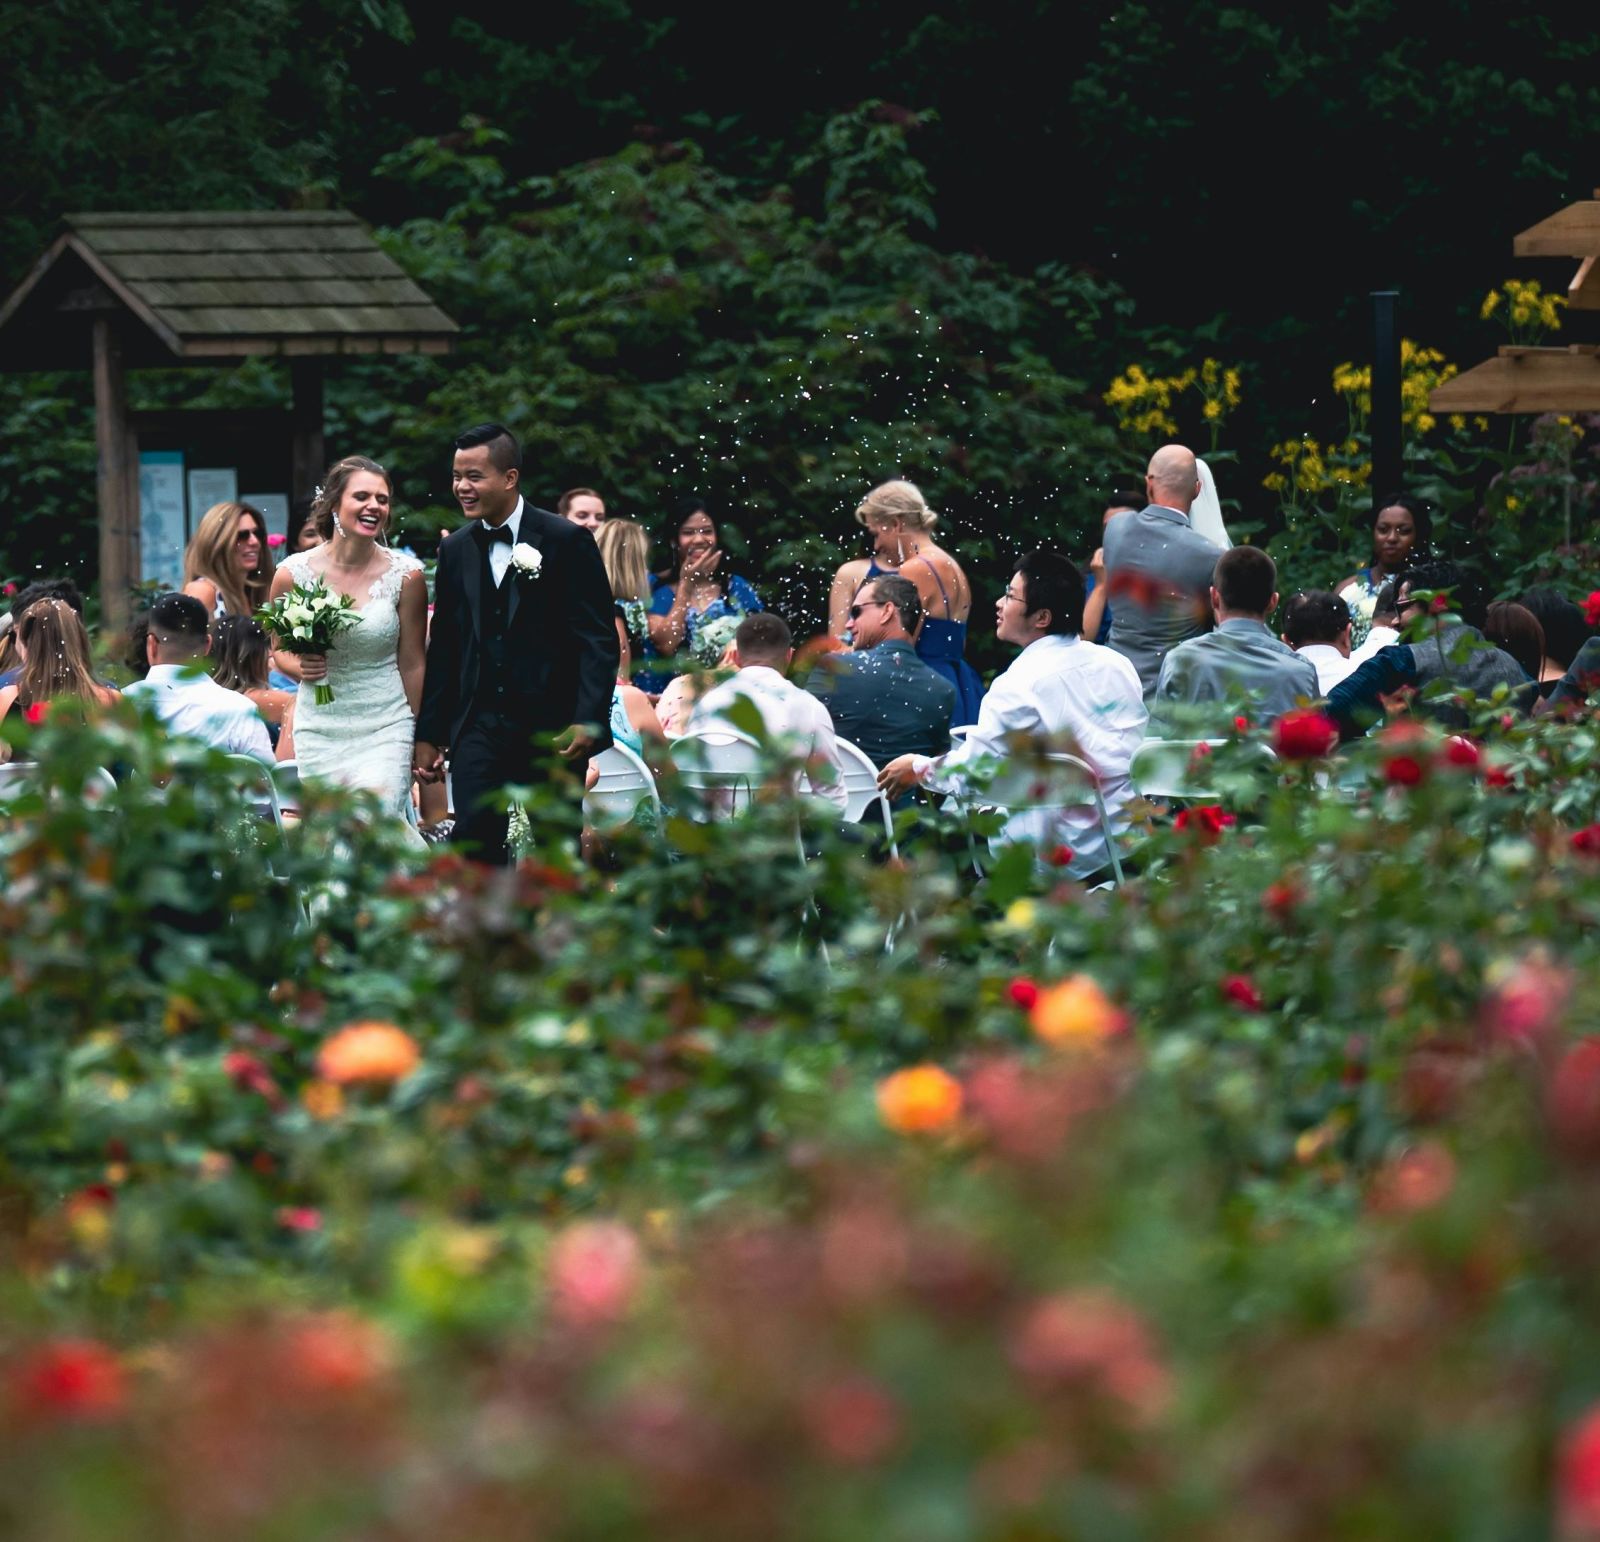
286 778
16 775
256 777
1037 785
960 732
723 766
861 790
626 784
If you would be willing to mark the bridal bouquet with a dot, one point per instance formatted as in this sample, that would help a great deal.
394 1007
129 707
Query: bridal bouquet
308 619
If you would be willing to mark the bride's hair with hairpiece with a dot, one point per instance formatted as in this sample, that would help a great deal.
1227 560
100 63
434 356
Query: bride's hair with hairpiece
334 482
897 500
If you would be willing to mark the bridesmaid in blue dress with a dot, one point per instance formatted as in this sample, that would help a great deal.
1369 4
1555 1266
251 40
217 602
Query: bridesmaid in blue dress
901 524
696 589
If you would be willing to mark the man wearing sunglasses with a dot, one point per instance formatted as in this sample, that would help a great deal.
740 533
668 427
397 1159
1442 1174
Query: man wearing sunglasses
881 696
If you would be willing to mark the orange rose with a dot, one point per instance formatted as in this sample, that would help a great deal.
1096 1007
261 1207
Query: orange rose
919 1101
368 1052
1076 1012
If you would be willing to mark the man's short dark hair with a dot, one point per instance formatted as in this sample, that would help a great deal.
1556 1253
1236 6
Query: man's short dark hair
1246 578
892 589
762 636
1314 616
1468 597
1565 629
505 454
179 619
47 589
1124 498
1051 582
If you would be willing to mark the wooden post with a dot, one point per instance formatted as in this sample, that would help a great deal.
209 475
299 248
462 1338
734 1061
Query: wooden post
116 481
308 456
1385 420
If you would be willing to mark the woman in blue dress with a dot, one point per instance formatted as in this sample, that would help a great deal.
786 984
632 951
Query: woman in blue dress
901 524
695 590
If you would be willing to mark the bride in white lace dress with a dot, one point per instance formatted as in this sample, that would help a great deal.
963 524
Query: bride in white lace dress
363 737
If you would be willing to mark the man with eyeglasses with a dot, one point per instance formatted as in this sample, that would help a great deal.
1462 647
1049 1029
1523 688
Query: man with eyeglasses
1450 655
881 696
1059 688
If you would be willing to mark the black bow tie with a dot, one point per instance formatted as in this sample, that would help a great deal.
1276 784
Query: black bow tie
490 535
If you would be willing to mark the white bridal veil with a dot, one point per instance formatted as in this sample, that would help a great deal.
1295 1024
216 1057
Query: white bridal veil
1206 515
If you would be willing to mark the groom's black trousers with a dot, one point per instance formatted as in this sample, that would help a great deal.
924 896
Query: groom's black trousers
493 750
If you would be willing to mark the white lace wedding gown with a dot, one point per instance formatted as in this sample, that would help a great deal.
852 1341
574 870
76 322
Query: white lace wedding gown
364 736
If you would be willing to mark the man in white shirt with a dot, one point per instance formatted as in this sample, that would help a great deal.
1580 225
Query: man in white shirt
791 717
1316 624
182 695
1059 686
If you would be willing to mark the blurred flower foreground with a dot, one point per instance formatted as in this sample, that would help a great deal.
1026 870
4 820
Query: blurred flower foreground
1258 1198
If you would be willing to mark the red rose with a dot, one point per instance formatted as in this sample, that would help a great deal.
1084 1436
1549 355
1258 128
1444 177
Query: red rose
1305 735
71 1379
1242 723
1280 900
300 1218
1022 992
1241 991
1586 842
1462 752
1496 777
1206 820
1591 609
37 713
1060 856
1404 771
248 1074
1578 1477
1573 1099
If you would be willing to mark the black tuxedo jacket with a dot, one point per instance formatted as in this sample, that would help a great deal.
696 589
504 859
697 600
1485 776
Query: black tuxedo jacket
561 634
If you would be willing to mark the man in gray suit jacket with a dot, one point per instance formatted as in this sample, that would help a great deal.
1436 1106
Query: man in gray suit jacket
1158 568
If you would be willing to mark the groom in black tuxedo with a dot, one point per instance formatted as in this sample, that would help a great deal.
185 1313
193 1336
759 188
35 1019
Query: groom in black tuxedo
523 643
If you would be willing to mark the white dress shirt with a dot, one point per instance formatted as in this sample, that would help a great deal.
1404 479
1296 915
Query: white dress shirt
1378 637
1058 685
1331 665
189 702
500 553
792 717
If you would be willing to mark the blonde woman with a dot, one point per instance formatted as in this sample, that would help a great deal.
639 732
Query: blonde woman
901 524
228 565
625 550
54 651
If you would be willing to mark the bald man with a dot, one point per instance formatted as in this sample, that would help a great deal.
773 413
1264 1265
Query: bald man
1158 568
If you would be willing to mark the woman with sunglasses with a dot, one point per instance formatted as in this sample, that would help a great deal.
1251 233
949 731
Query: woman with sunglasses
228 565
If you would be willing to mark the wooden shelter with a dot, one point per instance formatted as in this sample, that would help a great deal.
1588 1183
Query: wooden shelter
1542 379
133 291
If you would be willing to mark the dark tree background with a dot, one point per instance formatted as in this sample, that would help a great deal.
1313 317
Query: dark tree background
1051 191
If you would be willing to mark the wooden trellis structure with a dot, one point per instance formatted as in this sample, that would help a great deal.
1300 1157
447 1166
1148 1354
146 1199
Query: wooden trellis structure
137 291
1542 379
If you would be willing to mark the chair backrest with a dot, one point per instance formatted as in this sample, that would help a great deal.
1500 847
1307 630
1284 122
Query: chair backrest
1052 783
960 732
721 764
625 784
256 778
860 780
16 775
286 778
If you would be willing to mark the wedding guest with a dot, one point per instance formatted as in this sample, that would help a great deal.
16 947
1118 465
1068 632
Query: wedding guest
695 590
53 652
1452 657
847 581
902 531
1385 628
1096 613
1059 685
880 695
1565 632
1158 568
675 705
1316 624
583 506
182 695
793 719
625 550
303 532
228 565
242 661
1400 531
1514 629
1240 660
31 594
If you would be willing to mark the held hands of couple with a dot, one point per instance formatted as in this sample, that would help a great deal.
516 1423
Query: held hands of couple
427 762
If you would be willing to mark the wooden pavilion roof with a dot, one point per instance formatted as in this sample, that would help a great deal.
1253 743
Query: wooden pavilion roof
203 286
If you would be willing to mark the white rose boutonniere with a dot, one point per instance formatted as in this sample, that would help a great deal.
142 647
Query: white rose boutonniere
526 559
